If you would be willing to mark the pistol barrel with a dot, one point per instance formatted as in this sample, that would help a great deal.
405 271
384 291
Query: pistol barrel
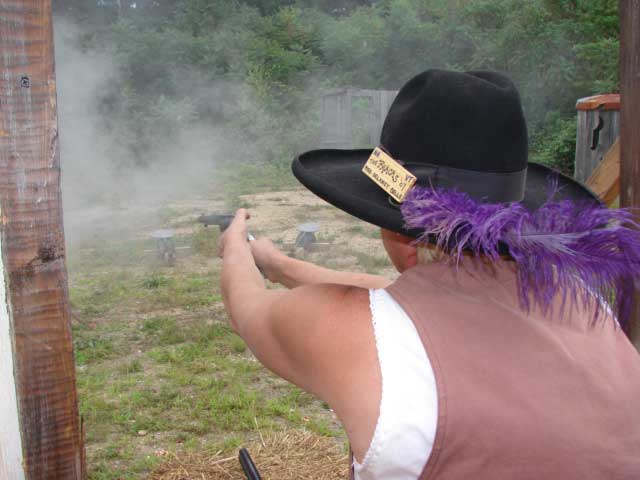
223 220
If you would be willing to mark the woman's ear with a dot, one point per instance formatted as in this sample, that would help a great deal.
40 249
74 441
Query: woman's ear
412 257
402 253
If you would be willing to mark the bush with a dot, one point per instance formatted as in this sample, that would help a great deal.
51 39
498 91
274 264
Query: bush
555 145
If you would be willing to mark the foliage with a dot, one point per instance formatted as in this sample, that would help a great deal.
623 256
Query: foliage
555 144
255 69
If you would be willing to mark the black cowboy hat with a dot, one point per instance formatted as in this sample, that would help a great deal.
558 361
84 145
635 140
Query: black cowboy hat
454 130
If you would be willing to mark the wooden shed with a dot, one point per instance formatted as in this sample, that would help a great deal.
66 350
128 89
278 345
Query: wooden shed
353 118
598 128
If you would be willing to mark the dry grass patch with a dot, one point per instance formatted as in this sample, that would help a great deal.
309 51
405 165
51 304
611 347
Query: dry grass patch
288 455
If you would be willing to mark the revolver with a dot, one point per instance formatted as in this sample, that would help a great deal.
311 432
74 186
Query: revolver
223 220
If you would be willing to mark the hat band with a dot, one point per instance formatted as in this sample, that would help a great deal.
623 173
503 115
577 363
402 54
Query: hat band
492 187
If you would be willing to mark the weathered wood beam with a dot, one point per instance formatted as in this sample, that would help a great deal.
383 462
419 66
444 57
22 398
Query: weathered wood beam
605 179
33 252
630 124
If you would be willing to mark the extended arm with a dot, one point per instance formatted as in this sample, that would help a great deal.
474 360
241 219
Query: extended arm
304 334
318 336
292 272
283 327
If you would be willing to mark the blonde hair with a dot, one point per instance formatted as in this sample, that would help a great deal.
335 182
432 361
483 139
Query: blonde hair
429 253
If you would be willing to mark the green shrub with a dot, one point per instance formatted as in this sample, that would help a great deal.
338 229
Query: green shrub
555 145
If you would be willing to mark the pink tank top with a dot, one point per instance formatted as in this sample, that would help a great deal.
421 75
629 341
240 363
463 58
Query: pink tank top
522 395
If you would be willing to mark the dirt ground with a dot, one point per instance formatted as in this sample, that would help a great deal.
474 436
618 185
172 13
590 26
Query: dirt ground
274 214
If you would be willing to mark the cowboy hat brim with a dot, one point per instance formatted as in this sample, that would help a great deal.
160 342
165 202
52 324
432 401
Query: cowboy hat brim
336 177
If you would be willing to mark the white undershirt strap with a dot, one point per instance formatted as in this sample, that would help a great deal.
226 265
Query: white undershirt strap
406 427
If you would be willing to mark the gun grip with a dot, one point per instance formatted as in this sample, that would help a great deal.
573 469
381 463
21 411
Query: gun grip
225 221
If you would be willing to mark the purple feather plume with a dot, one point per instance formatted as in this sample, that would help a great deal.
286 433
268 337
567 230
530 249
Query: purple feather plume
580 249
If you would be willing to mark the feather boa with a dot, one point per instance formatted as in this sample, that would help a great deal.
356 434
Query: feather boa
579 249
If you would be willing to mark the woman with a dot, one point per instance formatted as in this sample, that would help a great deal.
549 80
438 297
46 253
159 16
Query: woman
486 357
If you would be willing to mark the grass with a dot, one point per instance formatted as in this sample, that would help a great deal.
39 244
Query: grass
158 367
99 295
205 241
372 263
364 230
109 251
190 381
355 230
313 213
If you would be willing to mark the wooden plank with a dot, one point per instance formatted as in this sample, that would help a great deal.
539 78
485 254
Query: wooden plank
337 123
630 121
33 244
333 131
608 101
582 150
605 179
386 99
374 118
588 156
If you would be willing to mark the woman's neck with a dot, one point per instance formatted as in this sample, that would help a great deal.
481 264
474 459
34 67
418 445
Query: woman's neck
468 261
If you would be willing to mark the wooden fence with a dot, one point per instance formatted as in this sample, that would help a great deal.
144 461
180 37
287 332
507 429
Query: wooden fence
339 109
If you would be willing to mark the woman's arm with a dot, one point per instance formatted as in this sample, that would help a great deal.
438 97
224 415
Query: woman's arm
292 272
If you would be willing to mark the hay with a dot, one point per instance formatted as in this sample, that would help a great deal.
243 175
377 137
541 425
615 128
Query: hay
289 455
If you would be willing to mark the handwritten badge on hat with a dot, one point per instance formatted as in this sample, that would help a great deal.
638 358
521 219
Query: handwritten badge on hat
388 174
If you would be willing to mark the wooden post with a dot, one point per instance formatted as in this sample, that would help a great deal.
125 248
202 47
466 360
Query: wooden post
598 128
630 124
605 178
41 438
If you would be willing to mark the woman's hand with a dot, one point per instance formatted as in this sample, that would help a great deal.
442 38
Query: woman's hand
236 233
267 258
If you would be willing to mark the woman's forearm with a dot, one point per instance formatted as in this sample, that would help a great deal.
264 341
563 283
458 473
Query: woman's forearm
292 273
241 281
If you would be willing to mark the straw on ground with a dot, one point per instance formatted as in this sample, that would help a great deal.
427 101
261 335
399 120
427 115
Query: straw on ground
289 455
